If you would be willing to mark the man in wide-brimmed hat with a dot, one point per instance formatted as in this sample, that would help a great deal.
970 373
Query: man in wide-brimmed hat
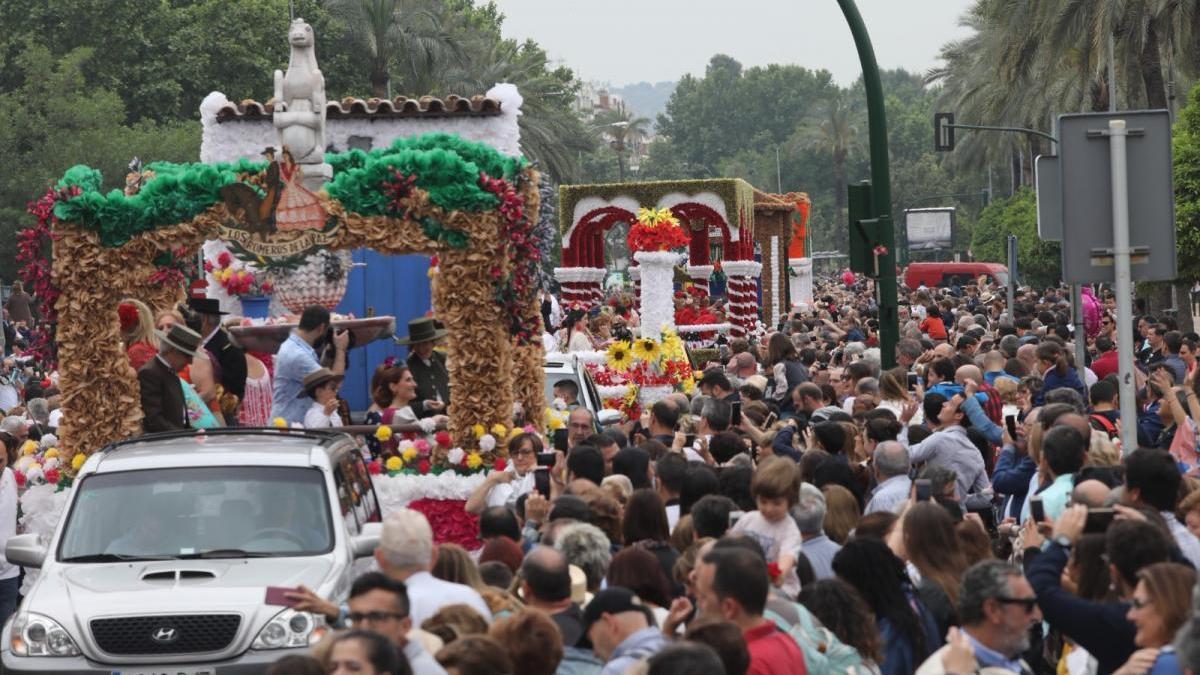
163 407
229 361
428 367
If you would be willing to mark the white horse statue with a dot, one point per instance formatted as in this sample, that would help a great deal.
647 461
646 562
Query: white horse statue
300 106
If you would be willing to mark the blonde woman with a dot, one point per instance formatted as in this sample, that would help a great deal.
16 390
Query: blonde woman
137 331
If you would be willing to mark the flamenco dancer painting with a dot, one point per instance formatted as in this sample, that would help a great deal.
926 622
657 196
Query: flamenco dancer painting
299 208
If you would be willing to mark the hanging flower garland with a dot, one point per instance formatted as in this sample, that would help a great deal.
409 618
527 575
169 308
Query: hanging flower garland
515 291
175 267
656 230
33 244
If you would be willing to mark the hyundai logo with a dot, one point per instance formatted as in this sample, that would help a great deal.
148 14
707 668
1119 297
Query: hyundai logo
165 635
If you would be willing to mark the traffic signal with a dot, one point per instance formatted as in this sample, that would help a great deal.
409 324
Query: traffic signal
863 228
943 135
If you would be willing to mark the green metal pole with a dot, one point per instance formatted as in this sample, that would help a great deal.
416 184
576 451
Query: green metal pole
881 187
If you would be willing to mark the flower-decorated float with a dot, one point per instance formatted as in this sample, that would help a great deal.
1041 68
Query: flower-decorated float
468 205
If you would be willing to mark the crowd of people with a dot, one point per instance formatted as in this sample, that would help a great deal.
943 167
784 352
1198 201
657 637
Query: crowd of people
806 510
970 510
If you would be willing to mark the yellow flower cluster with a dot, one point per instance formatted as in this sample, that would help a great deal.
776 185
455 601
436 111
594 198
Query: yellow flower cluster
225 275
383 433
393 463
499 431
29 448
672 346
554 419
474 461
647 349
279 423
78 460
409 454
479 431
655 217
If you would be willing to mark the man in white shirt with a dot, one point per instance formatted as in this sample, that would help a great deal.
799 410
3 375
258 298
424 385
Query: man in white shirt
406 554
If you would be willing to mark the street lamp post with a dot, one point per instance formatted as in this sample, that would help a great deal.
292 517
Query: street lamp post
881 187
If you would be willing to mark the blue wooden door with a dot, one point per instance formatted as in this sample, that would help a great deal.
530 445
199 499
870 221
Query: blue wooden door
387 286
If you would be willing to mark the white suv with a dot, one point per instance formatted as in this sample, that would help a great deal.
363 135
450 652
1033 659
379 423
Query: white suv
166 550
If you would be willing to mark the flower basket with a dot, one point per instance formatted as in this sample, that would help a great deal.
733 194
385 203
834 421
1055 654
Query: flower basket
321 280
256 306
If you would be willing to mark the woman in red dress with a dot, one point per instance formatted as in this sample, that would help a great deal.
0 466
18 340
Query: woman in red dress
299 208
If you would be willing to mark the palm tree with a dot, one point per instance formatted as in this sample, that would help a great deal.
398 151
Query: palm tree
551 134
405 37
836 135
623 132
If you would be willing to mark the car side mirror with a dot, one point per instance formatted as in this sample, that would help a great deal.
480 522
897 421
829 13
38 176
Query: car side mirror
608 417
365 542
25 550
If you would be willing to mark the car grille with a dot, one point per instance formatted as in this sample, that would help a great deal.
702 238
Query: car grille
179 634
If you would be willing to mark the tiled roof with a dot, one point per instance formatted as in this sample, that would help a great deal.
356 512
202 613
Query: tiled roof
764 201
374 108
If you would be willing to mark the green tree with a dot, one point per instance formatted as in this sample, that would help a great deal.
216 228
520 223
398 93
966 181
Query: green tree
73 123
1038 262
835 134
161 58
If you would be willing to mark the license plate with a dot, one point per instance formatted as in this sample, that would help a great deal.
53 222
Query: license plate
166 670
163 670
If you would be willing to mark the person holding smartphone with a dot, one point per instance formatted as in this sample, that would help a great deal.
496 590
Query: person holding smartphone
504 488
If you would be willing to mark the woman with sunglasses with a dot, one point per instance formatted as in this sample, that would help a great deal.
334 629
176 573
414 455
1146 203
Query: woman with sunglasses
504 488
1161 603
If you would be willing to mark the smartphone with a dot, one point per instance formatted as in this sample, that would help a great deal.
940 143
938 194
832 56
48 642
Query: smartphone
1010 421
689 441
924 489
735 420
546 459
1098 521
541 481
913 379
1036 509
560 440
771 419
277 595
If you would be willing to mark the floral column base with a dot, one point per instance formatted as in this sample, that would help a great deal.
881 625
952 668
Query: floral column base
700 274
800 282
742 291
580 284
657 297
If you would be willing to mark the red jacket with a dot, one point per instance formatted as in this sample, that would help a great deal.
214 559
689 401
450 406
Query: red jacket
773 652
1105 365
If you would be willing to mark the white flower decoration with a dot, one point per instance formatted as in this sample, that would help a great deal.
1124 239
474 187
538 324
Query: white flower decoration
487 443
455 456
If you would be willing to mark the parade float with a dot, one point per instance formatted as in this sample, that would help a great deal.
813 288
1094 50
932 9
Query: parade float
273 205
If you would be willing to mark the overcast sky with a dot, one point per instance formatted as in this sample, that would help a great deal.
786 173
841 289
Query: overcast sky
628 41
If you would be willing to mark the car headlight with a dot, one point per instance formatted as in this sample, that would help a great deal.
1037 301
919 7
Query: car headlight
290 628
36 635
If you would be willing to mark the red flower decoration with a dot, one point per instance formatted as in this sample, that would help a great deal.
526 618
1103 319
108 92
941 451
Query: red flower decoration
20 476
375 467
450 521
500 464
129 316
53 476
773 570
443 439
423 467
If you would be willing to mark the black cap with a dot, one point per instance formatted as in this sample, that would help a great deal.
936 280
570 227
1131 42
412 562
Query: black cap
570 506
613 600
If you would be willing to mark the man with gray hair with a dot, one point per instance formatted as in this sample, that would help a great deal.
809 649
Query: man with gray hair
586 547
996 606
809 514
15 426
892 465
405 553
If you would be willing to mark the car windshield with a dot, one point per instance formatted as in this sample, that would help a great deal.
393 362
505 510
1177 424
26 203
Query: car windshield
1002 278
244 511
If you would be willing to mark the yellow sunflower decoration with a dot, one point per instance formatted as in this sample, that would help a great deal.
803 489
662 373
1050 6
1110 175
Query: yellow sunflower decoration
647 350
619 356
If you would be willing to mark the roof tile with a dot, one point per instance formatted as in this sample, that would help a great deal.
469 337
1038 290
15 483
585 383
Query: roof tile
375 108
